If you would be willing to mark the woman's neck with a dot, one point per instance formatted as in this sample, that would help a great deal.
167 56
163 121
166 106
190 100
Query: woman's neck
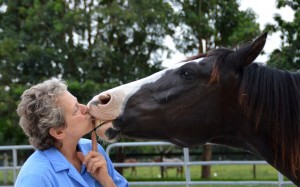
69 152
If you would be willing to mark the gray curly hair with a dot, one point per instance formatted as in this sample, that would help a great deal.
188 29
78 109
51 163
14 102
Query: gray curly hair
38 111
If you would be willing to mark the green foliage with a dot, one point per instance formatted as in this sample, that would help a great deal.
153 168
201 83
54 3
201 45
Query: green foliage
96 45
97 40
125 40
288 56
10 133
216 23
86 90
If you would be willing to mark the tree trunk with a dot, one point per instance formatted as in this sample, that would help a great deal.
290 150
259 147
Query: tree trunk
206 156
120 159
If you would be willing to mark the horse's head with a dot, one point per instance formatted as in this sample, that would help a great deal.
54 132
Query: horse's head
185 104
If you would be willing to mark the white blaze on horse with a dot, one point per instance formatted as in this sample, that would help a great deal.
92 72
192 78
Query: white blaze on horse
224 98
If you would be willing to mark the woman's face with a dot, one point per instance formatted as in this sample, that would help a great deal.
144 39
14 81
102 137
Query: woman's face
77 119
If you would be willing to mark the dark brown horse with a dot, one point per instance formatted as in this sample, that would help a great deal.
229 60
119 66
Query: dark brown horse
222 98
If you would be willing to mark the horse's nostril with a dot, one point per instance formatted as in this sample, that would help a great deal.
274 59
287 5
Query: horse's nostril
104 99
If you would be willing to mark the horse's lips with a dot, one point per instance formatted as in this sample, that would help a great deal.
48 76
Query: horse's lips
100 114
107 132
101 130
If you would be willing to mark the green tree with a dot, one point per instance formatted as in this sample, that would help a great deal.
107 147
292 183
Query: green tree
213 23
288 56
205 25
80 40
10 133
128 36
33 41
94 45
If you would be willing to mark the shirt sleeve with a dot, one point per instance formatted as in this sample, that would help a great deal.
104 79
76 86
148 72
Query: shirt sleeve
30 180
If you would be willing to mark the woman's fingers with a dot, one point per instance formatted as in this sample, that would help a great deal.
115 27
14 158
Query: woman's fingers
93 164
91 155
94 141
97 163
94 161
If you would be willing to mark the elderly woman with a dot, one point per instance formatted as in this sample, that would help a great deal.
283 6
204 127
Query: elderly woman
55 123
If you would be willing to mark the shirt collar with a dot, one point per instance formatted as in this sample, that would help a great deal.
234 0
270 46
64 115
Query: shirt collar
60 163
57 160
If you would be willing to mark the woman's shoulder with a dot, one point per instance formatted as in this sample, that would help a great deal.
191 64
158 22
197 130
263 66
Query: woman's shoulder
38 170
36 165
38 161
37 157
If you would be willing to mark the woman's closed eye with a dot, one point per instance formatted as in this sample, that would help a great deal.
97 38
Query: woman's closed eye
76 109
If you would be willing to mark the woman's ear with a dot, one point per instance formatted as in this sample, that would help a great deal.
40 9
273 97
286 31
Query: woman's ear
57 133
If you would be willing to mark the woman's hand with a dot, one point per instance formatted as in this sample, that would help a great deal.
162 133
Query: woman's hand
96 164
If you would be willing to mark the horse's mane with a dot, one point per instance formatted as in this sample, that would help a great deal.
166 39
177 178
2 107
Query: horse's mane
273 96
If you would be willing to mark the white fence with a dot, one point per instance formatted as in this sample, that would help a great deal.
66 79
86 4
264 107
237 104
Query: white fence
187 163
14 167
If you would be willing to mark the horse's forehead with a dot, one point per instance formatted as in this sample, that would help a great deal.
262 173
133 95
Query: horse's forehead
133 87
154 77
158 75
179 64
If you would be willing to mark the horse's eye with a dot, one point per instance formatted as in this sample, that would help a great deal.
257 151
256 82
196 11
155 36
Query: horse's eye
186 74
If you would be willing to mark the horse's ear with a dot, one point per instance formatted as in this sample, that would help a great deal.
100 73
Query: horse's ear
248 53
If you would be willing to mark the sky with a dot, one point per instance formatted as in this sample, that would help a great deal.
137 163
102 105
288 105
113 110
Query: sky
265 11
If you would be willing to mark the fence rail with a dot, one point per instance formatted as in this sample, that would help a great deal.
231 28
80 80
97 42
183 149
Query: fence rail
186 164
15 167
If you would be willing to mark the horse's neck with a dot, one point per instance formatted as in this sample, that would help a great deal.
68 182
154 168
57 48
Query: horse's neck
259 142
255 144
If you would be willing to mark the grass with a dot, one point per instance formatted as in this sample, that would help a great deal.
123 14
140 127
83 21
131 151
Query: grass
9 180
218 172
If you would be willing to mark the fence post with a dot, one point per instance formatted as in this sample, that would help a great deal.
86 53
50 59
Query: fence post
15 163
280 179
5 164
254 171
186 155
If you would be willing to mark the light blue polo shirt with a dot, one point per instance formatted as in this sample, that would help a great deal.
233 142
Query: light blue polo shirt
50 168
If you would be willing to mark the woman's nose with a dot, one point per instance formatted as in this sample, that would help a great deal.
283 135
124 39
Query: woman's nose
84 109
